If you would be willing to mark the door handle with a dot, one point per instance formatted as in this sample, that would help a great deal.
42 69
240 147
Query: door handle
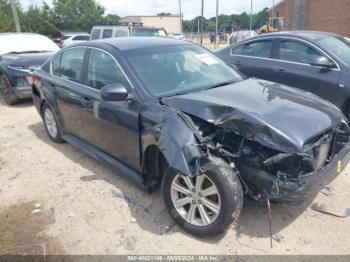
279 70
238 63
86 102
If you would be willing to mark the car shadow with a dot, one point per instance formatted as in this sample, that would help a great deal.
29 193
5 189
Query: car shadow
21 104
149 211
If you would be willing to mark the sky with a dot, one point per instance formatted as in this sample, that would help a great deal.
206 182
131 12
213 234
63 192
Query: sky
190 8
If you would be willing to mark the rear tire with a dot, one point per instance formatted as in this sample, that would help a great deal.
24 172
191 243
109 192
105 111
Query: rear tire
51 124
196 210
7 92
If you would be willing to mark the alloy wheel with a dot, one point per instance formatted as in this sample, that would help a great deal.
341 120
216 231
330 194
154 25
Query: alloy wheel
50 123
197 200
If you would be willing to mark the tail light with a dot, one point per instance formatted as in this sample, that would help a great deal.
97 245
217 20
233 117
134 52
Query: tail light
34 78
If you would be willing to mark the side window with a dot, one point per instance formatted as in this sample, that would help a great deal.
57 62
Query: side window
256 49
107 33
72 64
103 70
297 52
121 33
95 34
55 67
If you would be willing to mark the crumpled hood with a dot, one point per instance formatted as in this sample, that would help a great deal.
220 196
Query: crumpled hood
26 60
277 116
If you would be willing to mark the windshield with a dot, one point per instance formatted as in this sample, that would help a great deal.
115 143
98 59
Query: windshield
22 43
337 46
175 69
148 32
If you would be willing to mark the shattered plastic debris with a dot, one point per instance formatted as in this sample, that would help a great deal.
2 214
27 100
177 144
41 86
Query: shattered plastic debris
36 211
328 191
322 208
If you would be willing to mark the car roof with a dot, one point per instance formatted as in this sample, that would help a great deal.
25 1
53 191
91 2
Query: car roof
129 43
85 34
307 35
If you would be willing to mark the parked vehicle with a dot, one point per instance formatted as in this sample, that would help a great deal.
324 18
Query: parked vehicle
169 112
313 61
240 36
178 36
125 30
70 39
20 54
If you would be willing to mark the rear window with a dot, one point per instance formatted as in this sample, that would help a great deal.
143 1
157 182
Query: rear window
72 64
95 34
148 32
121 33
107 33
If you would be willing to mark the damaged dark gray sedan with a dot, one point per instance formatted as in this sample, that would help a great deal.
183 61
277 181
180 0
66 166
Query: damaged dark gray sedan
168 112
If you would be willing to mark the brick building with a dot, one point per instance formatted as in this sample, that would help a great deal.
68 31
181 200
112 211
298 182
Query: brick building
318 15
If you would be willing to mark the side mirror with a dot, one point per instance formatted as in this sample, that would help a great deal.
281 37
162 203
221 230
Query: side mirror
322 62
114 92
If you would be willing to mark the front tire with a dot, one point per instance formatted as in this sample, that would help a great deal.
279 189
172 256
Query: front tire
51 125
207 204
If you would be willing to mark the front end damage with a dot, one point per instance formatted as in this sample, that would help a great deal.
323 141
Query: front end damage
287 177
266 172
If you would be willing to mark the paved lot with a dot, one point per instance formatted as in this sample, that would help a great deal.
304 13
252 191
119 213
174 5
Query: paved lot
81 207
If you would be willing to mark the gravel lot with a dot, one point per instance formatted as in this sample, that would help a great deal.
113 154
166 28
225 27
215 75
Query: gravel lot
55 199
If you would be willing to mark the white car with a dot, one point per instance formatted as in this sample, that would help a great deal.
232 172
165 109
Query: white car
68 40
178 36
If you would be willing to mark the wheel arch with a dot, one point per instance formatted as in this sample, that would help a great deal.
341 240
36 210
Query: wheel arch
154 165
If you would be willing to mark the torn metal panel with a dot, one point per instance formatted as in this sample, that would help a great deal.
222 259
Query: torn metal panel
322 208
174 138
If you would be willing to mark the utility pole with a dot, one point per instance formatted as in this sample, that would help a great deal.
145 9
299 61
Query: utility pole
217 38
180 16
251 15
15 16
273 8
202 22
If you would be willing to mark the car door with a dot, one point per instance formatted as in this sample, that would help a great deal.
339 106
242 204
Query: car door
111 126
293 67
253 59
67 71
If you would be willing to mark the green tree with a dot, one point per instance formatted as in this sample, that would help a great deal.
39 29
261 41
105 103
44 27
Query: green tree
6 18
37 20
110 19
76 14
164 14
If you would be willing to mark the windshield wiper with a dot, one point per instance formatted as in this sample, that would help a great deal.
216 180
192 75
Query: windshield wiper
176 94
221 84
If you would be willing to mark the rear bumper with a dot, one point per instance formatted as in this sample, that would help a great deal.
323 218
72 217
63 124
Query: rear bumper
21 84
23 92
298 189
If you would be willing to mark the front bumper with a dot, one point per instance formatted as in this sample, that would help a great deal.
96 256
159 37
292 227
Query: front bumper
298 189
